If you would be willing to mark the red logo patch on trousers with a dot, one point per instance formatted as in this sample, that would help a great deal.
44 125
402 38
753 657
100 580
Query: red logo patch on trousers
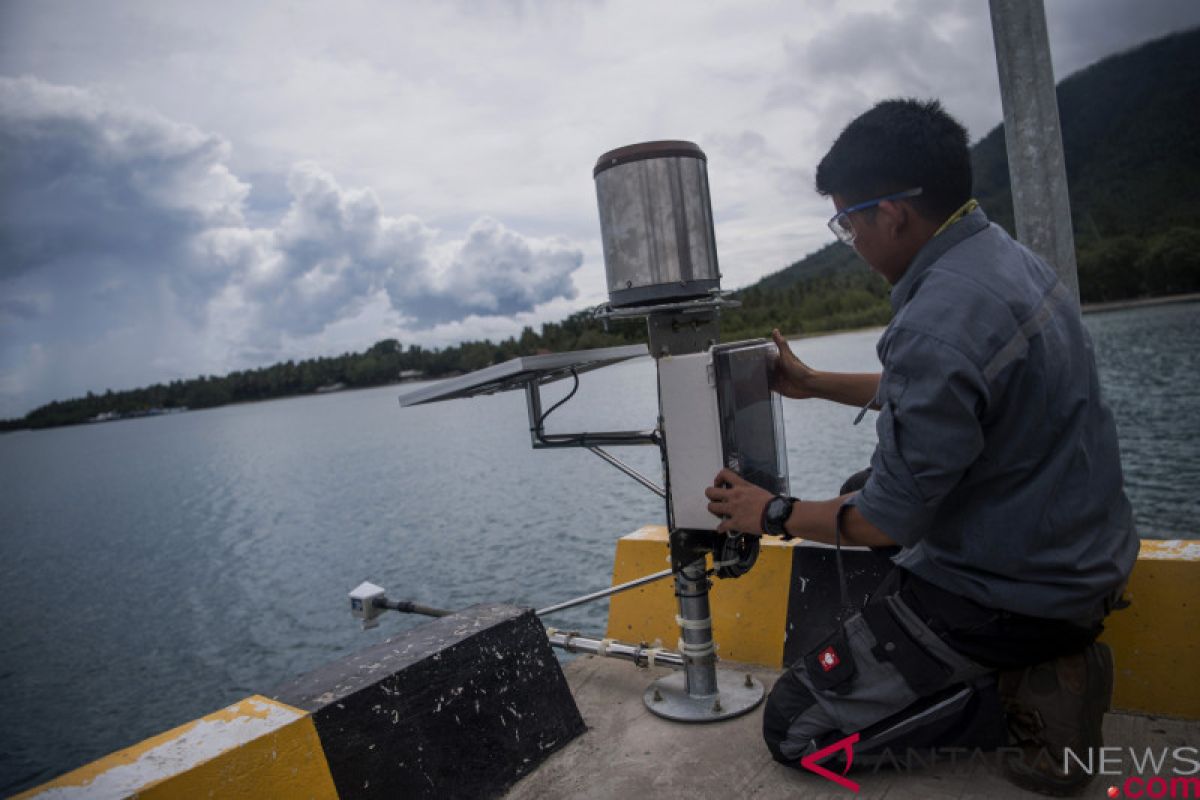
828 658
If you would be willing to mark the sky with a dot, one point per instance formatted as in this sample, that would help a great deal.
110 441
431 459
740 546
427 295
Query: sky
195 188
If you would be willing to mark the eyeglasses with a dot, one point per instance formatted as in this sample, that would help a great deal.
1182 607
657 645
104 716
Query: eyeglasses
839 223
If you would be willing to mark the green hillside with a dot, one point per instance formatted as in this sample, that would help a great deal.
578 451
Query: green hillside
1130 131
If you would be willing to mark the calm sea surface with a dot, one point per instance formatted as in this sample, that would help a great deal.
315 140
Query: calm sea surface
154 570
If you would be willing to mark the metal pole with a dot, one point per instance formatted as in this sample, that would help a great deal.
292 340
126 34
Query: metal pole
1037 170
640 654
701 692
409 607
691 586
630 471
587 598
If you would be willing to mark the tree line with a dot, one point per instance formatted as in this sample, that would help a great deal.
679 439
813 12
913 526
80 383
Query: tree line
825 304
1109 269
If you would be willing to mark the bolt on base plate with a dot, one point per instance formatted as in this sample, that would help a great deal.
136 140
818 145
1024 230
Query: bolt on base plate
737 693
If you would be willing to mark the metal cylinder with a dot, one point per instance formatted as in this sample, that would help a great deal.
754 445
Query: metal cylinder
640 654
697 648
656 223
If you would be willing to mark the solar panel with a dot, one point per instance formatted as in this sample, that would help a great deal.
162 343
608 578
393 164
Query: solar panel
517 372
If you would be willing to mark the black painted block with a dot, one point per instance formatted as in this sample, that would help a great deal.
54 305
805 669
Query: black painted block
814 597
463 706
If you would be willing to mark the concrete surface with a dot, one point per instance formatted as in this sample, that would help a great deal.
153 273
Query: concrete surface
628 752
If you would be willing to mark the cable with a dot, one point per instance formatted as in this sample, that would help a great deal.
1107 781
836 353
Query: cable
847 610
574 389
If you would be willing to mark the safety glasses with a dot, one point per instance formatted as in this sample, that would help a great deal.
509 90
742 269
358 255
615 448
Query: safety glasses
839 223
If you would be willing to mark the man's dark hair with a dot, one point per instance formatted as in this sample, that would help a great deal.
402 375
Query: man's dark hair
896 146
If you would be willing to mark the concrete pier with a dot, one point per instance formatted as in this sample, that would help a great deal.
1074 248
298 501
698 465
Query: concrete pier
629 752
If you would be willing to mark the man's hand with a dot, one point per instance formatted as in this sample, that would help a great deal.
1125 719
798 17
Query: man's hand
791 377
740 502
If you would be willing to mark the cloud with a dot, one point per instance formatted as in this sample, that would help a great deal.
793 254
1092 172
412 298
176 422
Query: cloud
906 50
78 171
137 244
1083 32
494 271
336 248
125 254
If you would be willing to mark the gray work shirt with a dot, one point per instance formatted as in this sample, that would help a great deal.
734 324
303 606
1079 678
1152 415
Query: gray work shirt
997 466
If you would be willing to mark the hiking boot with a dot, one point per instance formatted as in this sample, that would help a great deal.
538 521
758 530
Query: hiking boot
1052 706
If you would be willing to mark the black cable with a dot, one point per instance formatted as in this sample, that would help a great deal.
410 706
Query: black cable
847 610
574 389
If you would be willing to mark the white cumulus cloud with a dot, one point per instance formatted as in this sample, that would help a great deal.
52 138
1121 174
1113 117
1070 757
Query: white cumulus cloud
126 258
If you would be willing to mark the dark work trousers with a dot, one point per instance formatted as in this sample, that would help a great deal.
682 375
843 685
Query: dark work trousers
912 640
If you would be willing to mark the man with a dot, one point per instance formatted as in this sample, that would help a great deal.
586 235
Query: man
997 474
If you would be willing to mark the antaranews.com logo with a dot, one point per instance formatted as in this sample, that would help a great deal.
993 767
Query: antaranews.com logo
1162 772
1165 772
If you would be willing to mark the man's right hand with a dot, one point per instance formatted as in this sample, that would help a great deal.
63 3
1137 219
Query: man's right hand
791 376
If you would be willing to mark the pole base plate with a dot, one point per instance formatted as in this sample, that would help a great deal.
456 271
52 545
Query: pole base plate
737 693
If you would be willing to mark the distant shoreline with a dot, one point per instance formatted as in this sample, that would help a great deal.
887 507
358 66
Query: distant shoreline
1089 308
1118 305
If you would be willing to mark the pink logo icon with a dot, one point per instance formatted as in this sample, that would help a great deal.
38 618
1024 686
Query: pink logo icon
809 762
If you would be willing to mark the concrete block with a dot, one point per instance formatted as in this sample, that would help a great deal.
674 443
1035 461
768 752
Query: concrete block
460 707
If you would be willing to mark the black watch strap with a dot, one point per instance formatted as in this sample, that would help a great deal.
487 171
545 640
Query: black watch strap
775 515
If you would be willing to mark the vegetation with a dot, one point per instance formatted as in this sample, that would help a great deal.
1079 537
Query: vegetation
1133 163
1129 128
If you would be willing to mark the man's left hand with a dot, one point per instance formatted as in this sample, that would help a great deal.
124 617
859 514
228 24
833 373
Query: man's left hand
738 501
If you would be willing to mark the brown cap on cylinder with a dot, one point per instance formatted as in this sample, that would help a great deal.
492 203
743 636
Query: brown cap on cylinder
637 152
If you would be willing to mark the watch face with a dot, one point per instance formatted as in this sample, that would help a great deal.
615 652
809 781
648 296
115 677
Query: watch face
778 511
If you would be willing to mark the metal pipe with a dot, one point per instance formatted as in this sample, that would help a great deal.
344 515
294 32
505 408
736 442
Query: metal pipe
533 406
630 471
587 598
611 438
409 607
1032 134
639 654
700 669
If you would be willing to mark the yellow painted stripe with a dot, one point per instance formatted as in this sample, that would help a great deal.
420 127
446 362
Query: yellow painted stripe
1154 642
257 748
1170 550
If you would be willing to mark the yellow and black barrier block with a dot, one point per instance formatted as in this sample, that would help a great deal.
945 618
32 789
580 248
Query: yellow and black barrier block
778 610
462 706
256 748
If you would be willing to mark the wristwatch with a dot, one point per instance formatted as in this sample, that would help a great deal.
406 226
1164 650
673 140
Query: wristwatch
775 515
